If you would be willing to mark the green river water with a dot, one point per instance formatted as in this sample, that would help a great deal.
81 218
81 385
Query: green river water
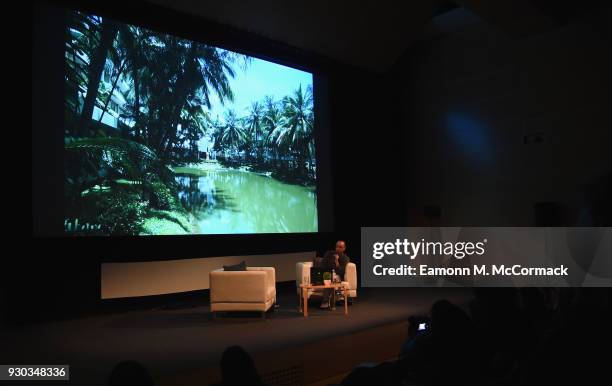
225 201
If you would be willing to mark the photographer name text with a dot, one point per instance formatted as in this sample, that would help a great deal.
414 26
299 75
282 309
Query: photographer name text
475 270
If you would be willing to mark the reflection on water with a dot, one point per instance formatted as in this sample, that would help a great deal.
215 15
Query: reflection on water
232 201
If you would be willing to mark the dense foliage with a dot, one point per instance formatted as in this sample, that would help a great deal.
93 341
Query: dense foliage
158 90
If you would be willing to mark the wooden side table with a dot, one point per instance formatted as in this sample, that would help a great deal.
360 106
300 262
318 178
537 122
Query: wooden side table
334 286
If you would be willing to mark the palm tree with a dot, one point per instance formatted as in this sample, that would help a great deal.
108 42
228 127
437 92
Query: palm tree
195 121
167 75
132 44
108 31
104 160
191 71
296 133
232 133
255 128
272 120
78 37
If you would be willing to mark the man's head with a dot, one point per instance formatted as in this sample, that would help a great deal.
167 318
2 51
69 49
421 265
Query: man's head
340 247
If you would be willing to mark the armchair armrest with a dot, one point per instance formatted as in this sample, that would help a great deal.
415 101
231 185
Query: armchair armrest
270 275
302 271
350 275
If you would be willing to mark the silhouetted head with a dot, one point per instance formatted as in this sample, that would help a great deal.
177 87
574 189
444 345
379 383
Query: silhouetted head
130 373
340 247
238 368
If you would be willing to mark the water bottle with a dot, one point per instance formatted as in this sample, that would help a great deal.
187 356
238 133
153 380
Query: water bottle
333 275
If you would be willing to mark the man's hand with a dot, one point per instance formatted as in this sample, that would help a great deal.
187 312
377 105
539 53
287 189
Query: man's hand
337 260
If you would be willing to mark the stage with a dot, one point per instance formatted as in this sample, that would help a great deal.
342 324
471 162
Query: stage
182 344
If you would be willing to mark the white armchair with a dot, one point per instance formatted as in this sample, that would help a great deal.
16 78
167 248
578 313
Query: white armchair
250 290
302 272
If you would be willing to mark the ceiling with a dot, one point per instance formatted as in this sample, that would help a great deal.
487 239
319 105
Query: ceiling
370 35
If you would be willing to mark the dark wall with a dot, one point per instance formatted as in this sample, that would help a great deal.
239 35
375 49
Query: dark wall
509 131
368 152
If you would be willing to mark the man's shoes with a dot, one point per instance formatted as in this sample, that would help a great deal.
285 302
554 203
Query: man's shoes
324 304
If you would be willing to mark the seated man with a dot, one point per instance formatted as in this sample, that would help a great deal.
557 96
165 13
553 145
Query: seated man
336 260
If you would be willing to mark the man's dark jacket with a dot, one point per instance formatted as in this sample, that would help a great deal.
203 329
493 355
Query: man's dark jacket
328 262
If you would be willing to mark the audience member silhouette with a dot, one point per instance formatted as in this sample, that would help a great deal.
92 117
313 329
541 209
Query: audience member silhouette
130 373
448 351
528 336
383 374
238 368
573 351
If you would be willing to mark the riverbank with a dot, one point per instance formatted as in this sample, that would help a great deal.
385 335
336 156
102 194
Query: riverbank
203 167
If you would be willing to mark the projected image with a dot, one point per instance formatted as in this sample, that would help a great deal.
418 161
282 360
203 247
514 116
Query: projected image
164 135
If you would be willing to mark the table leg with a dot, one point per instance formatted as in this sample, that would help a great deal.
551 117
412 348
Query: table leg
345 301
332 301
305 300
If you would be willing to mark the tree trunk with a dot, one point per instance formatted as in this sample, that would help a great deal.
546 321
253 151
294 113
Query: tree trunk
181 95
96 66
136 102
110 95
183 90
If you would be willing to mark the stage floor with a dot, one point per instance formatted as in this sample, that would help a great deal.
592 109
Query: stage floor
172 341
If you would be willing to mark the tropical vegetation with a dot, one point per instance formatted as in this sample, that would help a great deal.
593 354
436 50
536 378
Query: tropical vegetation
138 103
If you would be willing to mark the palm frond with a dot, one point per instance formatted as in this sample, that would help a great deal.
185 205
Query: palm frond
113 145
